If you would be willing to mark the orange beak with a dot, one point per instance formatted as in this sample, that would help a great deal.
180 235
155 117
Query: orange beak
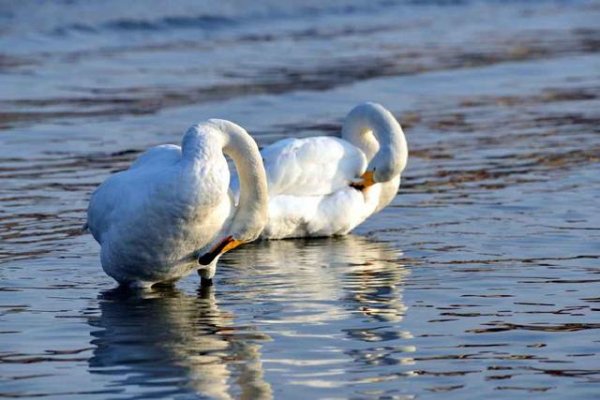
229 243
367 180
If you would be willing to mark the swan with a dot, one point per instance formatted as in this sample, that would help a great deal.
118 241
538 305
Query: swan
172 213
325 186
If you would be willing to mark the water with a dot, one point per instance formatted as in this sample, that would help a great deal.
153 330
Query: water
480 280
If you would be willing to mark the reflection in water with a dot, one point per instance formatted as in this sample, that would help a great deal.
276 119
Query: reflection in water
340 300
166 342
364 276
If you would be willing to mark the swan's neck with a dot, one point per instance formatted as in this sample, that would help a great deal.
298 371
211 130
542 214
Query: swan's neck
375 131
359 131
252 211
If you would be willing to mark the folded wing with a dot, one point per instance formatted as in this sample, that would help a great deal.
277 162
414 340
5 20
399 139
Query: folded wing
314 166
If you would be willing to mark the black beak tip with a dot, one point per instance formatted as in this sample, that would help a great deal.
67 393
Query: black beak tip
206 259
358 186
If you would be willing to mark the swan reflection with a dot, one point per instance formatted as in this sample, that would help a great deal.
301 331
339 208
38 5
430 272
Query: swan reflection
320 302
165 342
345 274
331 305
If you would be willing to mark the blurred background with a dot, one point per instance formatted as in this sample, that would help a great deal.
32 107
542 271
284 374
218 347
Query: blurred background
479 279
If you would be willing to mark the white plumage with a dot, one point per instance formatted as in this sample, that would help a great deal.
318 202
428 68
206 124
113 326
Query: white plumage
310 192
315 166
155 219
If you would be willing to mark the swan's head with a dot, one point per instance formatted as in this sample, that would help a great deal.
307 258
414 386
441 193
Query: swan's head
222 246
373 129
246 228
386 165
383 168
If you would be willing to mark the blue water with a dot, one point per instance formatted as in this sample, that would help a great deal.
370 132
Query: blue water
481 279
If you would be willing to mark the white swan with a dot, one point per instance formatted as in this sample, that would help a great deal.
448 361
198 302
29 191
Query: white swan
323 186
171 212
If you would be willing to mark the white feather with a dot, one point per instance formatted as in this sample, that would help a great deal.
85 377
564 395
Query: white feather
154 219
309 192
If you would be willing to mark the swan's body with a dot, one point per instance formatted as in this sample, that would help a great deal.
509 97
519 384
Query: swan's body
310 192
155 219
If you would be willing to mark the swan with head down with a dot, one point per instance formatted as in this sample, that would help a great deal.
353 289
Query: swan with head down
325 186
171 212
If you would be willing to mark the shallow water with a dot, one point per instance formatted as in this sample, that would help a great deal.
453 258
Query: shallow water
481 279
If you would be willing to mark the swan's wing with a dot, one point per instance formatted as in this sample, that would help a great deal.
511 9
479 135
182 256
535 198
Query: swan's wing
313 166
120 189
159 156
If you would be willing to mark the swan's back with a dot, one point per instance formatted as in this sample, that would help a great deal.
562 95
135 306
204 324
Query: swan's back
158 157
314 166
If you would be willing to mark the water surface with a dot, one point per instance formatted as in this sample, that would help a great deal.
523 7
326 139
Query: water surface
480 279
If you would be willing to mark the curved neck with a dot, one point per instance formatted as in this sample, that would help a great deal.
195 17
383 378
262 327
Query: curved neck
374 130
252 212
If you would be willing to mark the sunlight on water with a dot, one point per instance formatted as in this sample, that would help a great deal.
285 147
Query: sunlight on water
480 279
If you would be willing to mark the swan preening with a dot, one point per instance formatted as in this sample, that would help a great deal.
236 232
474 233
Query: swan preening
325 186
172 211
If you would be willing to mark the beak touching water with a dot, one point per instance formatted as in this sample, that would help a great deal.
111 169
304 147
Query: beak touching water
365 181
223 246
